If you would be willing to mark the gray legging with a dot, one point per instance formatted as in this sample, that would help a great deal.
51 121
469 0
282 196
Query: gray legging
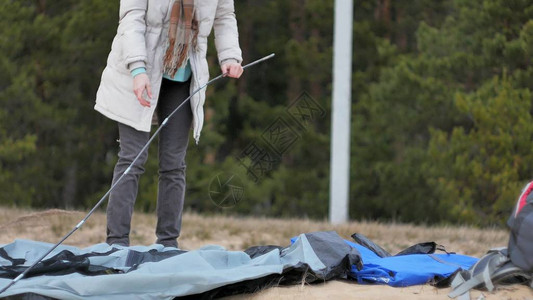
173 140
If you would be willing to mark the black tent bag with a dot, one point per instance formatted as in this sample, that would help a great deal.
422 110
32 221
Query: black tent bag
520 246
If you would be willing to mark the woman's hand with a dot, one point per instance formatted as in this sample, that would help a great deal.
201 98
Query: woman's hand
233 70
141 83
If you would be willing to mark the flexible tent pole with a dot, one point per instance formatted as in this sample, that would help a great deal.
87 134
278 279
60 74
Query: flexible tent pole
23 274
339 183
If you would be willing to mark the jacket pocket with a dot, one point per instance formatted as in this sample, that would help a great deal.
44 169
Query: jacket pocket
115 59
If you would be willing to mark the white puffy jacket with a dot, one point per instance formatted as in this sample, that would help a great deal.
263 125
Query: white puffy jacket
141 41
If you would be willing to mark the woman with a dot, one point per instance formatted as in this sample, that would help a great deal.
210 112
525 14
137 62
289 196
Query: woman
157 59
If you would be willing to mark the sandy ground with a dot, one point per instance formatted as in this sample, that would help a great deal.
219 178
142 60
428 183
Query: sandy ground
237 233
339 289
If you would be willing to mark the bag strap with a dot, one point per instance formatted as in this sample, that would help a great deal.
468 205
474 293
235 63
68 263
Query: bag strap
458 281
461 285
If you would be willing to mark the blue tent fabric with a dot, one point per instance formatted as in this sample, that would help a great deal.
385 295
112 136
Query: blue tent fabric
406 270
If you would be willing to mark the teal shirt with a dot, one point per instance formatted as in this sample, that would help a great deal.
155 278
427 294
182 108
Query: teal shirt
182 75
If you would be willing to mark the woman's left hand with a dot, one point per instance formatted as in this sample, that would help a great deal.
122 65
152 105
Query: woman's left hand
233 70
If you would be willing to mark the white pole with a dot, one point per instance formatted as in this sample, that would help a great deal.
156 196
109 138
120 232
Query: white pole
341 112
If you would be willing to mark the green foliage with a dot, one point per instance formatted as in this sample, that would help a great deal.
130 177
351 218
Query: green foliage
444 134
49 76
477 172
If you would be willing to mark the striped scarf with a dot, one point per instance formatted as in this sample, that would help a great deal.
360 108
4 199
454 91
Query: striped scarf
183 31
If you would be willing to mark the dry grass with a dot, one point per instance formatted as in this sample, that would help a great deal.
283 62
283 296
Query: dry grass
239 233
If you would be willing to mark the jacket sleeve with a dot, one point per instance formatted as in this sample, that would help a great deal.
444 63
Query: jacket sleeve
131 30
226 33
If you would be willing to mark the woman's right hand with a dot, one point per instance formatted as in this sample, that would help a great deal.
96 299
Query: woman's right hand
141 82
